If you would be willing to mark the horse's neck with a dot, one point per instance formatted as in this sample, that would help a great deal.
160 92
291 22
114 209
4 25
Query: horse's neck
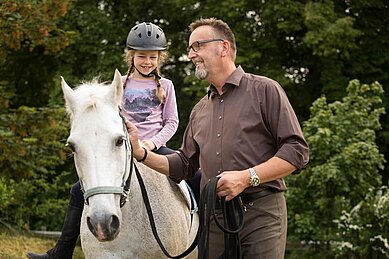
157 185
161 195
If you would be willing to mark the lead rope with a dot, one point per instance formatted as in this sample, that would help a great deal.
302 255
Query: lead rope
231 227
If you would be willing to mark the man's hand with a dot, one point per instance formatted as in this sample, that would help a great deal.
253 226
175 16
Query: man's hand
133 136
148 144
154 161
232 183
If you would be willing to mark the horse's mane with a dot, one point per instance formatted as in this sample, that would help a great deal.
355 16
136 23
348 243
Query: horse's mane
90 95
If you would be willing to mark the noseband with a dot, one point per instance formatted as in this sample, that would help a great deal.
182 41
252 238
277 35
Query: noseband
124 189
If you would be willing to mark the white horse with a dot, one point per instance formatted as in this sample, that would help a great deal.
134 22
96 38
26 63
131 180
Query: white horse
99 142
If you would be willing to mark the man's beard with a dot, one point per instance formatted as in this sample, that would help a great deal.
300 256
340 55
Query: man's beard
201 73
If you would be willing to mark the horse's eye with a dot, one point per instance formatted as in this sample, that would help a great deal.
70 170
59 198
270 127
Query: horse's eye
119 142
71 146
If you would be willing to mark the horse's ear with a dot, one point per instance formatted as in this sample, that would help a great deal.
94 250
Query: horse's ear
68 94
117 88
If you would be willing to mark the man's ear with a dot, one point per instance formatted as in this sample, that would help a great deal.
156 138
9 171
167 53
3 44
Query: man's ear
226 48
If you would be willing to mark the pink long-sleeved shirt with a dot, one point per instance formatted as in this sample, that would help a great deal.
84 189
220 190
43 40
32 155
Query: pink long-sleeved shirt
155 121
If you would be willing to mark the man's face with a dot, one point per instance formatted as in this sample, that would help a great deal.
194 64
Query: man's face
203 50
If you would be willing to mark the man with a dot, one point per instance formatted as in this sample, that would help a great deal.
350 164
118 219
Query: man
243 131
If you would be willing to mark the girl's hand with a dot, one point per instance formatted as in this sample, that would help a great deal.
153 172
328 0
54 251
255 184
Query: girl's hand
148 144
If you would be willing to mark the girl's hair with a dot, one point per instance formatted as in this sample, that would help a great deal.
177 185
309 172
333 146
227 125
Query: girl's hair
162 57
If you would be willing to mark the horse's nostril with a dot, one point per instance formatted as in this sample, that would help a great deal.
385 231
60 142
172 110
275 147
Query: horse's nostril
115 223
90 226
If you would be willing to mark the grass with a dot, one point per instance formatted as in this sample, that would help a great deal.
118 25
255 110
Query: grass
16 245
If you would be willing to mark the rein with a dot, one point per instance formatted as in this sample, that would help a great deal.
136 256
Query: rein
152 221
231 227
124 190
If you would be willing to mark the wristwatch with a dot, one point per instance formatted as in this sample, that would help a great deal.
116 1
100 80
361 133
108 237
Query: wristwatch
254 179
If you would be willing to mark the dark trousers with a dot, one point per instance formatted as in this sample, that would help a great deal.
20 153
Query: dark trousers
264 230
77 198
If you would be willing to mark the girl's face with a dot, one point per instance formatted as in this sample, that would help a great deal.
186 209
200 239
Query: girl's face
145 61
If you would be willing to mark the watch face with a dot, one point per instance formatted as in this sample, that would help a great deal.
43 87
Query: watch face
255 181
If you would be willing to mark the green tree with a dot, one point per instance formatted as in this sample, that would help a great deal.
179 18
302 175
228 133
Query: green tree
30 36
29 24
32 165
344 163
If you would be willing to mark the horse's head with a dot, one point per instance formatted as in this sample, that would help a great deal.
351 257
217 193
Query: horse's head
100 147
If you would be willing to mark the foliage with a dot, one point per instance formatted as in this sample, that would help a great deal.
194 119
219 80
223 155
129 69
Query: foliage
344 162
364 231
30 36
32 155
28 24
7 192
328 34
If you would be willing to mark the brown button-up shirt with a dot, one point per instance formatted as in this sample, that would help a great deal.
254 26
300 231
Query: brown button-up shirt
248 124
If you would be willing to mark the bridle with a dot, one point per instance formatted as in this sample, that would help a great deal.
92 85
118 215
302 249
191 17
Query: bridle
124 189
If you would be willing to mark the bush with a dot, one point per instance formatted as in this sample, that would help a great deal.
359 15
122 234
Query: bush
364 230
344 164
35 172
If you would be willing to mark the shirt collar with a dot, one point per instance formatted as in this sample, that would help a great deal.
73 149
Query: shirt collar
233 80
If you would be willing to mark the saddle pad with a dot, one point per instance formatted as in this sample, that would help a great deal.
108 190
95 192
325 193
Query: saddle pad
188 195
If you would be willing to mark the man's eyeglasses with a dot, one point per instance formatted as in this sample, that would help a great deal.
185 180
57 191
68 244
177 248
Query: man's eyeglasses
197 44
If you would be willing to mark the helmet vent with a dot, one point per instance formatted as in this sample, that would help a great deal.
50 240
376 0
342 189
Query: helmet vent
146 36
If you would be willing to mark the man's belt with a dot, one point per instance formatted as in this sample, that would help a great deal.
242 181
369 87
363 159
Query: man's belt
250 197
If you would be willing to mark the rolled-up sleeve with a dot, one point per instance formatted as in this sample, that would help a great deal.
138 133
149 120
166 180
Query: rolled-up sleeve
285 127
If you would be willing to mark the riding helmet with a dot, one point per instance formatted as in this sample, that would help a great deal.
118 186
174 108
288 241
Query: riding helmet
146 36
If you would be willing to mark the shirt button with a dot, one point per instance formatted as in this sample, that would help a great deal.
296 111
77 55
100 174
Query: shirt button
217 153
221 100
218 135
220 117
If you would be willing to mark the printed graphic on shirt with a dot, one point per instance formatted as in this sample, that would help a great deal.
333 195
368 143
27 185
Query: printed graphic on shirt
140 103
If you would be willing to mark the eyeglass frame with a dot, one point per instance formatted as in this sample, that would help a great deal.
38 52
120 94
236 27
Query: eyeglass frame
199 42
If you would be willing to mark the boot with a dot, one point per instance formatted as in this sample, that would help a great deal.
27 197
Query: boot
68 239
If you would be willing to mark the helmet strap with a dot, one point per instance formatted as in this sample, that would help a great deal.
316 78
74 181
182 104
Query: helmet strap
151 74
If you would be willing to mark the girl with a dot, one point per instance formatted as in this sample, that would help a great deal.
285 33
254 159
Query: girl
149 102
